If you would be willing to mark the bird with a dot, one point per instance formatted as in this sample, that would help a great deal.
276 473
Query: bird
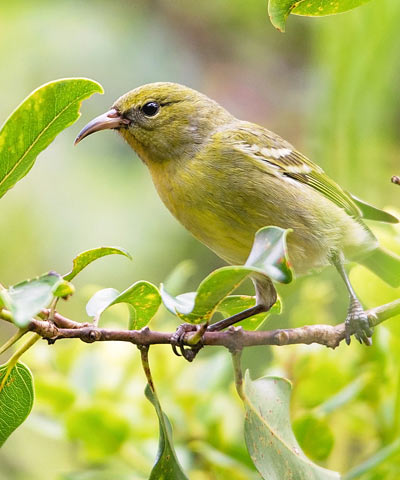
225 178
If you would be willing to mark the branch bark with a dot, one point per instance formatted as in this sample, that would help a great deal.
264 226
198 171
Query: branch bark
235 338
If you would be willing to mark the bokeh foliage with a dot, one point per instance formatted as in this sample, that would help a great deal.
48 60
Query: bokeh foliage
328 86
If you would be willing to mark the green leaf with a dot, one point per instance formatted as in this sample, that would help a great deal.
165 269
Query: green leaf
82 260
267 258
28 298
237 303
167 465
36 122
269 436
279 10
143 300
16 399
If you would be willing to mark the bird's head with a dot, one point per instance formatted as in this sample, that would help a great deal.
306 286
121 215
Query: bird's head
161 121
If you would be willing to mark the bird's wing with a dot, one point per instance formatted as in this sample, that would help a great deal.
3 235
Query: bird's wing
279 158
372 213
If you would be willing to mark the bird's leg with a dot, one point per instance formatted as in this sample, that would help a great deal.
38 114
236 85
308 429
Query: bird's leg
189 353
356 320
227 322
266 297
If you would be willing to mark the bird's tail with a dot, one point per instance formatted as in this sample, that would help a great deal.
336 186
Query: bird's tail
384 264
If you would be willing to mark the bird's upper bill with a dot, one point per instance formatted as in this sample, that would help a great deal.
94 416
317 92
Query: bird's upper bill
109 120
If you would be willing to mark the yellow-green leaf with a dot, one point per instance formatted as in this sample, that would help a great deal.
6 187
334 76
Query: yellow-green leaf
279 10
142 298
36 122
82 260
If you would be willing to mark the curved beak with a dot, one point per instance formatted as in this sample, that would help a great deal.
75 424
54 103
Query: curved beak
109 120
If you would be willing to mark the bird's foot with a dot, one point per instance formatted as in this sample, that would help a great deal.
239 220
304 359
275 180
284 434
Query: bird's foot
191 346
357 322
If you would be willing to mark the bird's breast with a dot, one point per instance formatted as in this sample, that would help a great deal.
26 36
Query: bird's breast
201 201
223 206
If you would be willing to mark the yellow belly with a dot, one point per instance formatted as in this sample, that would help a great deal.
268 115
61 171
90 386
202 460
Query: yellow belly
224 211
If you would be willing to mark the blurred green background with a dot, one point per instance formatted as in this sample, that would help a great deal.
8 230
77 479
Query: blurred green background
328 85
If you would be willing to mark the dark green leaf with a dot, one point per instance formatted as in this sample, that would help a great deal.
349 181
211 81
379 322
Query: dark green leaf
36 122
28 298
82 260
269 436
279 10
143 300
16 399
167 465
237 303
267 258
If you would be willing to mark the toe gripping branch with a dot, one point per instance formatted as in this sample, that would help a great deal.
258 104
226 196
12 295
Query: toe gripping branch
357 322
194 341
189 345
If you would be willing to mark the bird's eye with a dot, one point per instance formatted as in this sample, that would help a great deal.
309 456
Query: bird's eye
150 109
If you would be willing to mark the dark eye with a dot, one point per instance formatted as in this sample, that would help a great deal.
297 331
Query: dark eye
150 109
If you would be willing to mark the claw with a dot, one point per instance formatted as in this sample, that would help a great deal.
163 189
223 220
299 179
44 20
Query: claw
177 341
357 322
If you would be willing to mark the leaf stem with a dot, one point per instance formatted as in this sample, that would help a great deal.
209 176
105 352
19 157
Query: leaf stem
237 370
144 353
6 315
10 342
14 359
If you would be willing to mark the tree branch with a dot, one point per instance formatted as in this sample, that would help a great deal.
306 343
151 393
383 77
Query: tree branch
234 338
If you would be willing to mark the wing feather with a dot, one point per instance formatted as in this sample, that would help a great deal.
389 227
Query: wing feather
281 158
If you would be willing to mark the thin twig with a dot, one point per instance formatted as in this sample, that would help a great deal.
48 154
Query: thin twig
396 179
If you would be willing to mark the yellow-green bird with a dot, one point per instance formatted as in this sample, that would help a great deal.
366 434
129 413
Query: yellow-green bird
225 178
